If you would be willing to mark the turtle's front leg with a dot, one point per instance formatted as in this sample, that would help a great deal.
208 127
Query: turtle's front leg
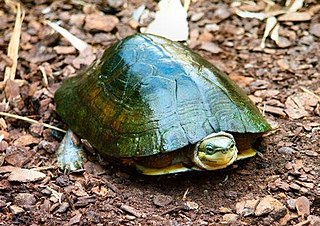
70 154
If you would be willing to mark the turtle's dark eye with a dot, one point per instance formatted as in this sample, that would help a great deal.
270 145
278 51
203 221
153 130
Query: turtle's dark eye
231 145
210 149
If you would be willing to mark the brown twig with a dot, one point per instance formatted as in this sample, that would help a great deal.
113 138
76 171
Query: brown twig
31 121
13 47
310 92
44 74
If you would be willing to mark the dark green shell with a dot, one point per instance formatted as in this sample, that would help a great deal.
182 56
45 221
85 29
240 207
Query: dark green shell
148 95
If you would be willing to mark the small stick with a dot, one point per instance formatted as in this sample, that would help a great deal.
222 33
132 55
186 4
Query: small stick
174 209
44 74
13 47
184 197
26 119
41 168
310 92
131 210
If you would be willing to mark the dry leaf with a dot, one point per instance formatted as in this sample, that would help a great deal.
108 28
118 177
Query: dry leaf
295 16
298 104
55 194
247 14
137 13
253 7
170 21
296 5
186 4
76 42
275 33
14 43
271 23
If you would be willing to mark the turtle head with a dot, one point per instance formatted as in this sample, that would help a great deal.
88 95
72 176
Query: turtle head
216 151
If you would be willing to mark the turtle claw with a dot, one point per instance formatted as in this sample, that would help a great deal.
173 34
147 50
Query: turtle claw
70 154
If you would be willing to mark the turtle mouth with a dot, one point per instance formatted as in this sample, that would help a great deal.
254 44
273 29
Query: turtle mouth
217 161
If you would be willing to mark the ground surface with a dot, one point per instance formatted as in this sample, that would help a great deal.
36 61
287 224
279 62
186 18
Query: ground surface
280 186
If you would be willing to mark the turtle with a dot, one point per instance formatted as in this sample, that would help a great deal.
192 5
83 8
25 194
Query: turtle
156 105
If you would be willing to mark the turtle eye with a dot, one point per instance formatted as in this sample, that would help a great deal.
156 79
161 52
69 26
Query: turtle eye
231 145
210 149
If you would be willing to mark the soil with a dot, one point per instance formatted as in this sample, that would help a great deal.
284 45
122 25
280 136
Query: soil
282 79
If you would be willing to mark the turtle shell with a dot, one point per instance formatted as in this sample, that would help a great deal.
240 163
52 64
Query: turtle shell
149 95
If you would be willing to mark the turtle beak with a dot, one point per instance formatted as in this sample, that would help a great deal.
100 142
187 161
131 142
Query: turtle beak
225 157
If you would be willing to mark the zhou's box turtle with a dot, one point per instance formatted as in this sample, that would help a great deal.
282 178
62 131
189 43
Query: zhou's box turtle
155 104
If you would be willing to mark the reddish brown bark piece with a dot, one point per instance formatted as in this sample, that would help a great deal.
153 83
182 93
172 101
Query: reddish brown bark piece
98 22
